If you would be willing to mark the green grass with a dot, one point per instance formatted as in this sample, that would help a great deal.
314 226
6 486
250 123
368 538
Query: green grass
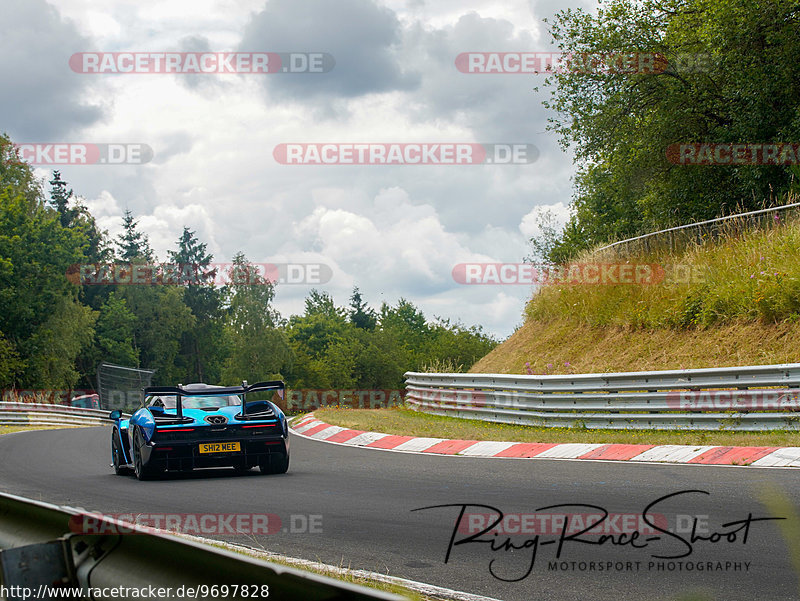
745 274
411 423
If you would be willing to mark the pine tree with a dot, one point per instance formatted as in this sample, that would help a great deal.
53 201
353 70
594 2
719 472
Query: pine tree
361 315
192 261
132 244
199 349
59 199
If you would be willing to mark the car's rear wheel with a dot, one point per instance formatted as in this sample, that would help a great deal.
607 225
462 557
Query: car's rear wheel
241 467
275 463
141 471
116 454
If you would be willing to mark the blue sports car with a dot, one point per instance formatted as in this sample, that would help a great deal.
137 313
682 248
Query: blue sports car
179 428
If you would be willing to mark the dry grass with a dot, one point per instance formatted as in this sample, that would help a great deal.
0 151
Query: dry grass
12 429
411 423
564 345
733 301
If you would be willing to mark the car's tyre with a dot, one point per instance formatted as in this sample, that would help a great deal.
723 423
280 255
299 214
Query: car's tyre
275 463
241 468
116 454
141 471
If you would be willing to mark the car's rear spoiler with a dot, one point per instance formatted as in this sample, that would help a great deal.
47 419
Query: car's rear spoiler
179 391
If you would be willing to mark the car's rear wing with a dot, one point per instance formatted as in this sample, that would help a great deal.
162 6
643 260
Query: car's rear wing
179 391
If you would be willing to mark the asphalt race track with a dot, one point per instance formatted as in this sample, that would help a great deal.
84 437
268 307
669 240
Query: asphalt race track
366 500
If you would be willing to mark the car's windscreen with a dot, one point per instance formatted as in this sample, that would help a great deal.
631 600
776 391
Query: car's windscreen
193 402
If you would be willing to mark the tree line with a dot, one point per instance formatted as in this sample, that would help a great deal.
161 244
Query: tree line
55 330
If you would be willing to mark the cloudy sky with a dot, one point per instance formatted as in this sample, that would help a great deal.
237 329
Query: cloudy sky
392 230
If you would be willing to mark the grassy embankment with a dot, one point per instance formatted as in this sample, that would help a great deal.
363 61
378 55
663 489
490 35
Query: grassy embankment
741 306
730 301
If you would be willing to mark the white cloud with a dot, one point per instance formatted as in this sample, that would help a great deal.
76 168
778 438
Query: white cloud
399 246
393 231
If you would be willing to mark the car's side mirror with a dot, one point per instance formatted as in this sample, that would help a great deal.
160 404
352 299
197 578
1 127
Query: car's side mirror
115 415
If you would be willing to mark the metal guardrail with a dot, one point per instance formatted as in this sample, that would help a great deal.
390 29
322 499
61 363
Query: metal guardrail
39 414
40 549
752 398
679 237
698 224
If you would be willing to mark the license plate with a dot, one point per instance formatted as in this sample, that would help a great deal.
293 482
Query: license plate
219 447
